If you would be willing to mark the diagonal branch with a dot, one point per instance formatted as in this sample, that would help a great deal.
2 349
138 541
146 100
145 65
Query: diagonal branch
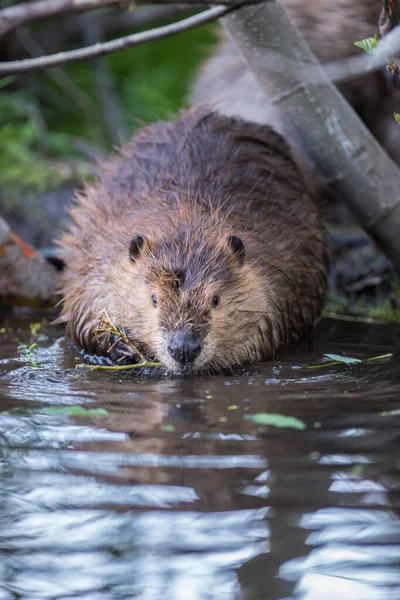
123 43
321 120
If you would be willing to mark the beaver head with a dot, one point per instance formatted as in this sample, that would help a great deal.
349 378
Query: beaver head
196 301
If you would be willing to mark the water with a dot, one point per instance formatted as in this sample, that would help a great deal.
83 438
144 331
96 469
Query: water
175 494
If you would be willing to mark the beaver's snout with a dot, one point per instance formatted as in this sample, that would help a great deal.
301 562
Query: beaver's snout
183 347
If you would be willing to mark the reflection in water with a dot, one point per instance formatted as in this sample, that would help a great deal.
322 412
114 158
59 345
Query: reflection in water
176 495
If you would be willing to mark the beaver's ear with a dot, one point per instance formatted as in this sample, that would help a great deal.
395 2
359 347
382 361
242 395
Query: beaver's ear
136 246
236 245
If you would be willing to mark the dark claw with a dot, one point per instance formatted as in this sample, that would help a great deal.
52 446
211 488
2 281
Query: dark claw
121 353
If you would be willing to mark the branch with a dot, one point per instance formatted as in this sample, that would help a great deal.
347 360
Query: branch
354 66
12 17
27 12
123 43
63 31
320 119
91 34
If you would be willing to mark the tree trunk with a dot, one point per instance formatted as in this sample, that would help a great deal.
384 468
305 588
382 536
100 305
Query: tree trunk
321 120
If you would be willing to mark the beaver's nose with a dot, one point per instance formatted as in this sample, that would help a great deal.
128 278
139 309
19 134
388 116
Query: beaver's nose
183 348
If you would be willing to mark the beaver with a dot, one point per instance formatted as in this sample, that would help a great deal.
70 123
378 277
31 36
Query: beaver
201 242
330 27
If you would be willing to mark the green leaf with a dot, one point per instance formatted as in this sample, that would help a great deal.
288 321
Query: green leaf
348 360
4 81
167 427
76 411
276 420
391 413
369 44
397 117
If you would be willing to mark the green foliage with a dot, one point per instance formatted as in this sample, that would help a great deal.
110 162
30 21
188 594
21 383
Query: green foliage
383 308
153 79
41 123
397 117
369 44
151 82
23 162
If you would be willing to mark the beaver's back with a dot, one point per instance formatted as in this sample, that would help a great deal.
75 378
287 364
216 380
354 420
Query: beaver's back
203 155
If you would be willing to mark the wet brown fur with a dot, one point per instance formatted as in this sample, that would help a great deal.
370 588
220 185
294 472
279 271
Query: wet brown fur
187 186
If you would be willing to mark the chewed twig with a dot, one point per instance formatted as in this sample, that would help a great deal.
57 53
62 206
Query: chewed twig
107 326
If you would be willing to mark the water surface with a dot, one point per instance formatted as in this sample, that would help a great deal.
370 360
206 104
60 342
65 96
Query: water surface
174 493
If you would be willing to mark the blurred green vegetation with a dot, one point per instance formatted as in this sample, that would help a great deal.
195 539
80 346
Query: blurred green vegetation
383 308
51 122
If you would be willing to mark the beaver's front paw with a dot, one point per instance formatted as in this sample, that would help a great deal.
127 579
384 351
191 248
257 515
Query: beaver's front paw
121 353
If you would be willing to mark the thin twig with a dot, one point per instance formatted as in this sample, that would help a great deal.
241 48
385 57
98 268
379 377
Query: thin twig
91 34
63 81
59 33
123 43
106 325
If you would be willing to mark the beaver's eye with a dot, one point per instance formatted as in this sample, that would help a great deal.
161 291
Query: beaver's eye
215 301
154 300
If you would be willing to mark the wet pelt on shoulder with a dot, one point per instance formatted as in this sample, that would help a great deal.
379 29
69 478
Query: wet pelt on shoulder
201 241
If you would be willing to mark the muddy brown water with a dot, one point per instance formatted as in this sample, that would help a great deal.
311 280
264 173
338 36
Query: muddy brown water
173 494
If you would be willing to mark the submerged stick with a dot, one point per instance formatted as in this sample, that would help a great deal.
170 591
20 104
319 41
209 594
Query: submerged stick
141 365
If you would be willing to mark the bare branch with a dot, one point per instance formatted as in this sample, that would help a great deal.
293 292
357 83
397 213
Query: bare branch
12 17
355 66
321 121
91 34
123 43
27 12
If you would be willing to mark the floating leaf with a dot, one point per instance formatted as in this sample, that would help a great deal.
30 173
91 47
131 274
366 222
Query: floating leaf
369 44
388 413
76 411
167 428
348 360
276 420
337 360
